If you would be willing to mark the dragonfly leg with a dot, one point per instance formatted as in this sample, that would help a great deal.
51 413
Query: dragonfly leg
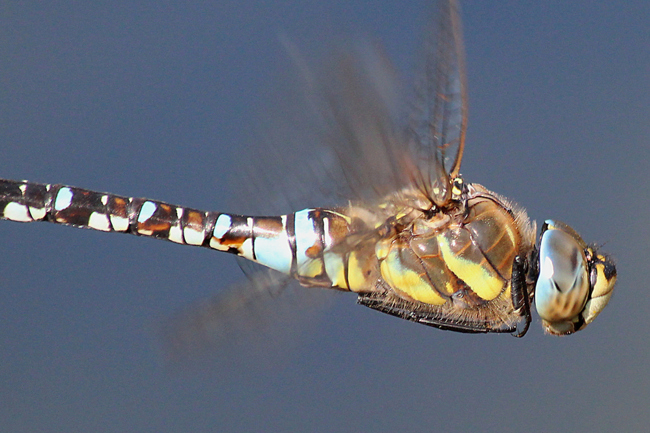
519 292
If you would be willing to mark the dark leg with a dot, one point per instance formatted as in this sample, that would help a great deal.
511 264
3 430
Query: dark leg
519 290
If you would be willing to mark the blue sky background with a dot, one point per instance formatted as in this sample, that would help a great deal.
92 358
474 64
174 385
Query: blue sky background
156 100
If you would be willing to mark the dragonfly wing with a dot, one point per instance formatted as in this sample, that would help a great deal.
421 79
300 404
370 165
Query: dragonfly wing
359 103
266 306
339 132
335 135
439 119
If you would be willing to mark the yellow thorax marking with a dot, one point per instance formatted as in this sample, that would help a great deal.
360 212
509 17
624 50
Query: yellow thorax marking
481 278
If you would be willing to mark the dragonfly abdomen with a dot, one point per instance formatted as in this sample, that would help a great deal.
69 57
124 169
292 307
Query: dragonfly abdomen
309 245
24 201
302 244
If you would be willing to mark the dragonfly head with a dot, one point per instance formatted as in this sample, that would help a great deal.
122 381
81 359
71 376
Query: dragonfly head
575 281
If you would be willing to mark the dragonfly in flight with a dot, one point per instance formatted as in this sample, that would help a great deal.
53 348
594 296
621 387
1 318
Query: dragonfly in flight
415 240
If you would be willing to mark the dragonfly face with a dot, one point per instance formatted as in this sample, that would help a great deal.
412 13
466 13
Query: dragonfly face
575 281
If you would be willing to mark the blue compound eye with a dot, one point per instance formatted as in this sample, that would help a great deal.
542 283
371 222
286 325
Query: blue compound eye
563 284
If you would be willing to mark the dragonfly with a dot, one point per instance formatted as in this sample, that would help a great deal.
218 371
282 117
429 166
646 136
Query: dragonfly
413 239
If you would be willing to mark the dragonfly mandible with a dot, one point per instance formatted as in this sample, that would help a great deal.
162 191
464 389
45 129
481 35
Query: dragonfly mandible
417 242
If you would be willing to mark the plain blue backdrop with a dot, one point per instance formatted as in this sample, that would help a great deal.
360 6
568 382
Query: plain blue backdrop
155 99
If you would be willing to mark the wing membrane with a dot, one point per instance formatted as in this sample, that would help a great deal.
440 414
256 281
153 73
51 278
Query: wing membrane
265 307
340 137
440 116
337 133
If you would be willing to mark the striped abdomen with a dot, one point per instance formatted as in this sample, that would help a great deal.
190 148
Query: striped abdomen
303 244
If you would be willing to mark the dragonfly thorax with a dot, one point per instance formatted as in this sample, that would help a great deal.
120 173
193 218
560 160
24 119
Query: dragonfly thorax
458 260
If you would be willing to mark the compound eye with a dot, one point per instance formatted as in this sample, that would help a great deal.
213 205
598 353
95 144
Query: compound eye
563 285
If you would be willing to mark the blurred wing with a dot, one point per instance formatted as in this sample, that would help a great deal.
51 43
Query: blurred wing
359 107
440 114
336 132
268 307
333 136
